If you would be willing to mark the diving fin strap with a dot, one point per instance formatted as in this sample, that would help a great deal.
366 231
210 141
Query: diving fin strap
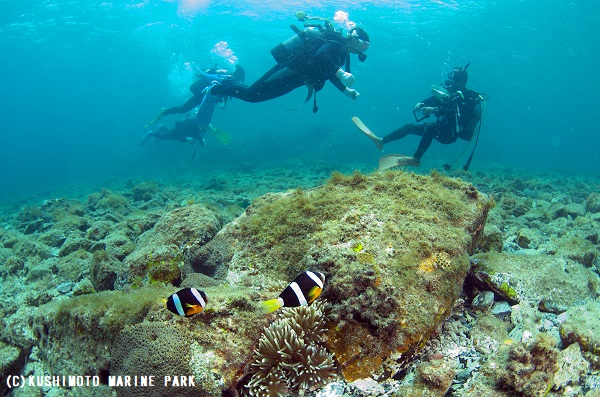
311 90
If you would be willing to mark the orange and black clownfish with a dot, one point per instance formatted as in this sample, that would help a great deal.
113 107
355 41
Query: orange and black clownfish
302 291
186 302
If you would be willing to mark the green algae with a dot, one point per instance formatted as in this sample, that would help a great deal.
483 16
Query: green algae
165 269
284 227
508 291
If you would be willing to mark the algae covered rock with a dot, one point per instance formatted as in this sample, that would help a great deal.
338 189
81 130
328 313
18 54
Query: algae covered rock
582 326
394 247
71 331
592 203
551 283
492 239
159 253
11 360
131 333
527 369
145 191
107 202
105 268
185 225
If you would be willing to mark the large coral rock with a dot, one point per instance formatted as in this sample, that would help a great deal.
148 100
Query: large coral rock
583 326
551 283
11 359
159 254
159 349
394 247
115 333
71 331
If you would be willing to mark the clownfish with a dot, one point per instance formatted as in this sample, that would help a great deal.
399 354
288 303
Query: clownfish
186 302
302 291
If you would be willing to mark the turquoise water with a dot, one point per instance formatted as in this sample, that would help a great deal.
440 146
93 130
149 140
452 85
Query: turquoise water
82 78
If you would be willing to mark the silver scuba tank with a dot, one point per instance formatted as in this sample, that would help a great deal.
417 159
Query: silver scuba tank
288 48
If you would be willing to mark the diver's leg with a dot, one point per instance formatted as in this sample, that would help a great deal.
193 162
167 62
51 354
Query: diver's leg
275 83
151 134
191 103
279 83
238 90
429 132
405 130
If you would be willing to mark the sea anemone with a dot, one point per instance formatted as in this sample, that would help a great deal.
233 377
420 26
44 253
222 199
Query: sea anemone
289 357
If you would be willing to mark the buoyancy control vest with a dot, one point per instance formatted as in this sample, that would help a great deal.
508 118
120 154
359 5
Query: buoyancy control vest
286 50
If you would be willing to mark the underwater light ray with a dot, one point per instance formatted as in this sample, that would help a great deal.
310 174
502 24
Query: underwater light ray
190 8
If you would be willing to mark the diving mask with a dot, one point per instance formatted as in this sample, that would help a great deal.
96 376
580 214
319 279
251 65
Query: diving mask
361 45
459 74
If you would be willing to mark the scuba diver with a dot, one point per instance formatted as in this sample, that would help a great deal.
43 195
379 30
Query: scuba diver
458 112
200 89
310 57
184 131
187 130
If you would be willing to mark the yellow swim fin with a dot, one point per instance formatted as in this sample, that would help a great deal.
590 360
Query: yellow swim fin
367 132
218 133
272 305
157 118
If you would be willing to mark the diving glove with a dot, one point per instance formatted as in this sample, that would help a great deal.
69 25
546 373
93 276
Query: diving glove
351 93
347 78
425 110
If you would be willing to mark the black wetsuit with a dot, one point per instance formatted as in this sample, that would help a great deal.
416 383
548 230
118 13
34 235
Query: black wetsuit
197 90
314 66
196 99
444 129
185 130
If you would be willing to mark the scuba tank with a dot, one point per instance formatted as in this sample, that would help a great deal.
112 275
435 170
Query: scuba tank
290 47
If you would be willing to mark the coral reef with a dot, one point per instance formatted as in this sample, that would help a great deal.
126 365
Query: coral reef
290 357
392 246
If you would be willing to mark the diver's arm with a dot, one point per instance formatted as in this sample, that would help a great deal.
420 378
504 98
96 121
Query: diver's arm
337 83
431 102
345 77
349 92
428 106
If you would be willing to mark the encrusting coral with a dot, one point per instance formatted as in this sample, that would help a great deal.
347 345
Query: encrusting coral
289 357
